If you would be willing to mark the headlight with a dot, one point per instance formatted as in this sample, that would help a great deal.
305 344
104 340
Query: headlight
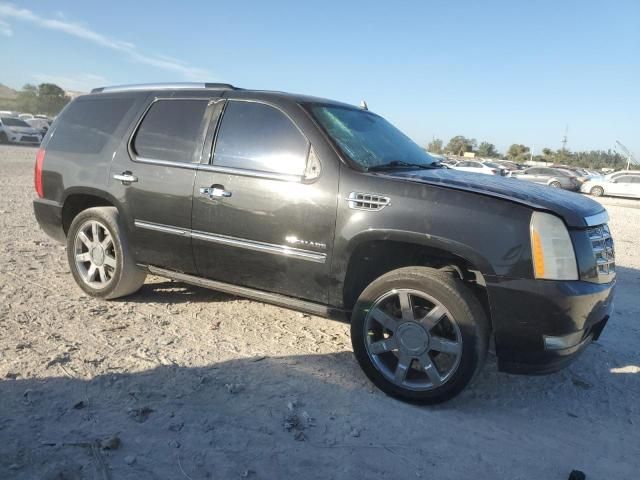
551 248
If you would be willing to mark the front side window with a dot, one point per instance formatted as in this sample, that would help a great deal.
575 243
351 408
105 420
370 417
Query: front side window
368 139
257 137
171 130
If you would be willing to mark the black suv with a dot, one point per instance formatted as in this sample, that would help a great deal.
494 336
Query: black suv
329 209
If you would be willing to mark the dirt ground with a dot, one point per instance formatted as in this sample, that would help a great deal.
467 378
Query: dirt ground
180 382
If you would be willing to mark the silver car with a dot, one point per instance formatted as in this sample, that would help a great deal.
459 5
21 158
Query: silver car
625 183
554 177
14 130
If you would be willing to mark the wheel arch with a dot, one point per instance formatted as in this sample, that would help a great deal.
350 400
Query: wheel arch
79 199
376 252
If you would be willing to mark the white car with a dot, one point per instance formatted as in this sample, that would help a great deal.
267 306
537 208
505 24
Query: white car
625 183
14 130
475 167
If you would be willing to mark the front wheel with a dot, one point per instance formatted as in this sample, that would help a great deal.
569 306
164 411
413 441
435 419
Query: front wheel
555 184
419 334
597 191
99 255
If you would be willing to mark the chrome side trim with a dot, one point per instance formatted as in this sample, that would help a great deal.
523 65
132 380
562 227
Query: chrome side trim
261 246
598 219
259 295
162 228
275 249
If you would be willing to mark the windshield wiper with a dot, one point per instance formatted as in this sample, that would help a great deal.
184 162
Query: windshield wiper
399 163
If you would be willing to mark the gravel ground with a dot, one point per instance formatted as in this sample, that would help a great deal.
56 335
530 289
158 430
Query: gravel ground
180 382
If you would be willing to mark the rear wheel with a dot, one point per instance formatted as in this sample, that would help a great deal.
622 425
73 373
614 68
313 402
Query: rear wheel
419 334
555 184
3 138
99 255
597 191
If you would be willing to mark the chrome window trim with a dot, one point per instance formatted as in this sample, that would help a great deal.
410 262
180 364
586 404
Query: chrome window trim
597 219
276 249
251 173
167 163
212 167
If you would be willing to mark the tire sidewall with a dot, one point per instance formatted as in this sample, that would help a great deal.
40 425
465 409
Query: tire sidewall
110 222
597 191
468 315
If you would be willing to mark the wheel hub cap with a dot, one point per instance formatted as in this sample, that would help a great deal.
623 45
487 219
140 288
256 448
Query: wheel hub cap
97 255
412 338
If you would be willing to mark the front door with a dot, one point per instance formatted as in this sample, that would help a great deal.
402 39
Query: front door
263 212
153 177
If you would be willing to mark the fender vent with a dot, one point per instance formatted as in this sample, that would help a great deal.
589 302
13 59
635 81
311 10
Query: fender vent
367 201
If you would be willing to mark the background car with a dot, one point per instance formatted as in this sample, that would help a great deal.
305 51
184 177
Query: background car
554 177
475 167
41 124
14 130
501 170
620 184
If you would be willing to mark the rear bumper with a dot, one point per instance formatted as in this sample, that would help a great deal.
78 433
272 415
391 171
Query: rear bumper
568 314
49 216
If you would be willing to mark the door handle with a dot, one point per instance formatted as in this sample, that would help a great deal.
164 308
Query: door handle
125 177
215 191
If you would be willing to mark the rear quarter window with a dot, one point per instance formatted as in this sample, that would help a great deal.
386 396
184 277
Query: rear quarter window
86 126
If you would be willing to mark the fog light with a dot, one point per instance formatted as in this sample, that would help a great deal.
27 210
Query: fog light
560 343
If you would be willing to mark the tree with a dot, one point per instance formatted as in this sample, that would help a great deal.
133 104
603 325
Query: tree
435 146
518 153
460 144
487 149
46 98
51 98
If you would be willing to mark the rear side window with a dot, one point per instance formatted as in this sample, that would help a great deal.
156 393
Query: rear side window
86 126
255 136
171 130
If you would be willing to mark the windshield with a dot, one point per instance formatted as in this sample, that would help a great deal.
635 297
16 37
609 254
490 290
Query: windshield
368 139
492 165
14 122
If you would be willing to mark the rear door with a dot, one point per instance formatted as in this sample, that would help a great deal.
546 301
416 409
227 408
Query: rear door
153 177
264 210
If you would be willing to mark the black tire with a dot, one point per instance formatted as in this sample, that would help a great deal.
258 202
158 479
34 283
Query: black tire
555 184
3 138
126 278
597 191
457 299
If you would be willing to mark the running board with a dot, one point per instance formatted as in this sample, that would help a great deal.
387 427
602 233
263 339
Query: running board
259 295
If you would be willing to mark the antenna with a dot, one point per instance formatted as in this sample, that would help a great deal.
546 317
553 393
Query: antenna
363 105
630 158
565 139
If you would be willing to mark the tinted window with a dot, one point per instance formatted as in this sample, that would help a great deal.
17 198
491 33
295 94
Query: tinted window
627 179
86 126
534 171
171 130
254 136
14 122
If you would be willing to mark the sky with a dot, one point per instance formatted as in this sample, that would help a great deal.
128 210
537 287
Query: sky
499 71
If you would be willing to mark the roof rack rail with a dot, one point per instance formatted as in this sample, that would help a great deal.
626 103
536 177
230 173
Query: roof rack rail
165 86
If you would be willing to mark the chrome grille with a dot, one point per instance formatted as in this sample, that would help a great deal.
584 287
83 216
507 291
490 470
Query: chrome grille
367 201
603 250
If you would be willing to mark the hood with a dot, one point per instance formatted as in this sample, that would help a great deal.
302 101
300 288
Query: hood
574 208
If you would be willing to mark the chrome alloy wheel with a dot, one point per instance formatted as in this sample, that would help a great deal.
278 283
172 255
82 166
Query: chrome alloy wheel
412 339
95 254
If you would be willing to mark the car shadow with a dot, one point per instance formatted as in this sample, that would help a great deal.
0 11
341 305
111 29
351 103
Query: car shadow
162 291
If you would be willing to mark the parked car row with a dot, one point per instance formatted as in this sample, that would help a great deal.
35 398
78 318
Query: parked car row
625 183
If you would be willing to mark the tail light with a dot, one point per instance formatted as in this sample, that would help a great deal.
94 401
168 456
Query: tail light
38 172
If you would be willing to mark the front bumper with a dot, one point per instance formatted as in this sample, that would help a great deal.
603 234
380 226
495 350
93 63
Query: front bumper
540 326
24 138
